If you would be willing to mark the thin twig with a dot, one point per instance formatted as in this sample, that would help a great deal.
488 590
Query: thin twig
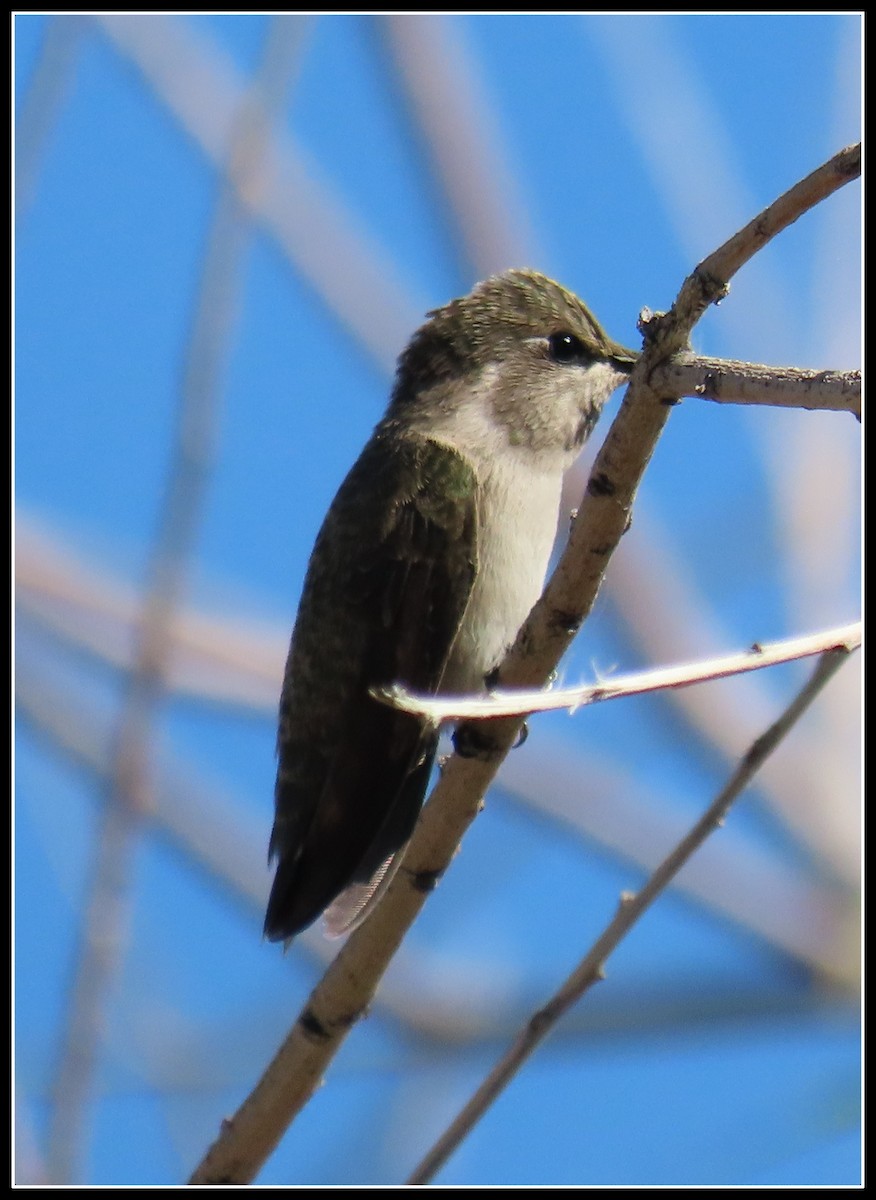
343 995
709 282
450 1002
606 507
509 704
669 618
591 968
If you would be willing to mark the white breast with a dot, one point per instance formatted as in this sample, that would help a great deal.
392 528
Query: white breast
517 522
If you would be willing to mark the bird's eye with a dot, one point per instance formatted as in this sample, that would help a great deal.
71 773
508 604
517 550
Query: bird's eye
565 347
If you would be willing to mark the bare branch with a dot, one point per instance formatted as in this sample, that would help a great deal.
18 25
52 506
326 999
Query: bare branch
785 902
343 995
731 382
510 704
591 968
708 283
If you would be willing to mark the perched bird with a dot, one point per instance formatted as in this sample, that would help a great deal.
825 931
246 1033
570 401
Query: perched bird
431 555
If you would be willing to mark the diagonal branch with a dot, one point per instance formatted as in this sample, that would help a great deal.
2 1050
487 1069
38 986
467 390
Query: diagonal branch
313 227
43 102
708 283
456 121
591 968
337 1002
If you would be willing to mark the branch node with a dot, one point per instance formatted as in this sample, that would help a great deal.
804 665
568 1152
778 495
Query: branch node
425 881
600 484
313 1027
713 289
565 622
473 741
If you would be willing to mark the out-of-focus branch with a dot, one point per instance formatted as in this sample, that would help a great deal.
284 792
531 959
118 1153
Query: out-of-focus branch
219 659
591 968
316 231
43 100
102 937
343 995
456 120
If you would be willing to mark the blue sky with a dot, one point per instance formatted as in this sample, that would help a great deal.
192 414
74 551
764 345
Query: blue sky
408 159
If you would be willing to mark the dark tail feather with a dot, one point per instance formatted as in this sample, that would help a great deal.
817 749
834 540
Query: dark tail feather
304 888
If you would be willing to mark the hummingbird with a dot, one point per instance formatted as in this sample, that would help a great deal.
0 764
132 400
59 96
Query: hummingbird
429 560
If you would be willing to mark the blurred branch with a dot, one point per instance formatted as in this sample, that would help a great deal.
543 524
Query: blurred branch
816 514
216 658
591 968
216 834
343 995
100 951
437 709
29 1169
316 233
43 101
456 119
